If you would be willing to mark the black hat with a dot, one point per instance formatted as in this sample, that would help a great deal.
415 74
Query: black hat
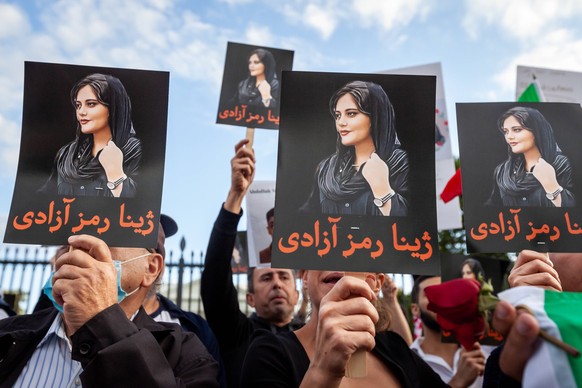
170 226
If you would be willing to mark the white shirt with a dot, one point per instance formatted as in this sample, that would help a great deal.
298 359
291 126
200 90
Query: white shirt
440 366
51 364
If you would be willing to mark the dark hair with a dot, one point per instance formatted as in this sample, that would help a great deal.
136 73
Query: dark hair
336 175
532 120
476 268
372 101
110 92
250 279
416 287
270 213
268 61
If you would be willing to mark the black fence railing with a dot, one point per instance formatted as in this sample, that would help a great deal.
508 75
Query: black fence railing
25 269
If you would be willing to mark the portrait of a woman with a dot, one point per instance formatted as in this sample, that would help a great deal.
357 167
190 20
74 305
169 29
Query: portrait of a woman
536 172
472 269
103 160
368 173
261 87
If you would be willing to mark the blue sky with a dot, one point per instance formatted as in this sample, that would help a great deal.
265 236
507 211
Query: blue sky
479 43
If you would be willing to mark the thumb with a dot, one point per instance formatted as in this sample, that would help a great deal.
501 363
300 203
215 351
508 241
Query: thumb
94 246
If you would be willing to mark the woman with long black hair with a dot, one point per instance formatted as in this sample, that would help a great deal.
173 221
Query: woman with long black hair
368 173
536 172
103 159
261 87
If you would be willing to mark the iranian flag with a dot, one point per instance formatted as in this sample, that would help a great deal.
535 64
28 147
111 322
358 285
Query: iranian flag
560 315
533 92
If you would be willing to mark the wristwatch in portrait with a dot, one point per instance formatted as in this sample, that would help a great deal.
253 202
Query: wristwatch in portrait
113 185
554 195
381 201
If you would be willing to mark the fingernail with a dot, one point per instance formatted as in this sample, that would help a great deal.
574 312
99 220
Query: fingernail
502 311
522 327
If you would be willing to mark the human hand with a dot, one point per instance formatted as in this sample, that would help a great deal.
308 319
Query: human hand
471 364
346 320
534 269
111 158
265 89
376 173
85 281
390 290
545 173
520 330
242 175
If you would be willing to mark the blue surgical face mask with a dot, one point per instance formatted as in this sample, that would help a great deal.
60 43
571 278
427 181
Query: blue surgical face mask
121 294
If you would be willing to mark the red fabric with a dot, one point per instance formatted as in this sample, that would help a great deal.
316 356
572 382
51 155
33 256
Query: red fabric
453 187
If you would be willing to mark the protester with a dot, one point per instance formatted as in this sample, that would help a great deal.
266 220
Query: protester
162 309
399 323
99 334
554 271
344 320
271 291
456 366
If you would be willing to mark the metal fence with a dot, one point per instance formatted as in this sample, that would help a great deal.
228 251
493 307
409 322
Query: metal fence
25 269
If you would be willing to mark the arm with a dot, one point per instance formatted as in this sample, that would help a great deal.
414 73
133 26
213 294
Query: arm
471 364
399 323
270 363
219 296
109 342
376 173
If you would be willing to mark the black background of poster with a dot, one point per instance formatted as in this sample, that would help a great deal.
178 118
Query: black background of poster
482 147
236 69
307 135
49 122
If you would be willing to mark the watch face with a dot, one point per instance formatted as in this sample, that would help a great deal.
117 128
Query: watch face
550 196
110 185
378 202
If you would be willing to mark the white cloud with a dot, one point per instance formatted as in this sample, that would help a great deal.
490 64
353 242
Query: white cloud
320 19
521 19
389 15
325 16
559 50
259 35
13 21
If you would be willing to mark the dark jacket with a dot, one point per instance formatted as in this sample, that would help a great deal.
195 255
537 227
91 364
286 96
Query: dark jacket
232 327
197 325
113 350
281 361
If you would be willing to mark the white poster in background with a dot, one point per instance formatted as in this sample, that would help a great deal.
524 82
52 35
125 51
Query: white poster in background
449 215
556 85
260 199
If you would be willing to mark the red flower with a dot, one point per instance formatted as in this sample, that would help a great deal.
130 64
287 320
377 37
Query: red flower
463 307
456 304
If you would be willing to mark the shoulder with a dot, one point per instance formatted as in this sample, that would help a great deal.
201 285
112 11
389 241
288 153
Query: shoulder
28 322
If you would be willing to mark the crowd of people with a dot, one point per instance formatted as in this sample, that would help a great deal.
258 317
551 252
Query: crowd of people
102 321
